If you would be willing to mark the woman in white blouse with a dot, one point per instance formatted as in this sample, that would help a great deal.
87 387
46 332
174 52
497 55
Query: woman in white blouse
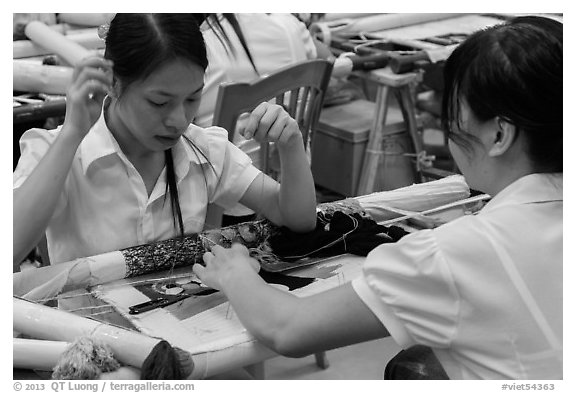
127 167
484 292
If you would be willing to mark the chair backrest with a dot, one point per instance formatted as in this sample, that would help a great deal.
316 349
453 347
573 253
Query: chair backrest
300 88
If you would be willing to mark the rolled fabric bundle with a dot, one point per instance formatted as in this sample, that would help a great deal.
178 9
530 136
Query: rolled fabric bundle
349 27
20 20
341 15
393 21
49 281
57 43
415 198
87 38
37 354
129 347
38 78
86 19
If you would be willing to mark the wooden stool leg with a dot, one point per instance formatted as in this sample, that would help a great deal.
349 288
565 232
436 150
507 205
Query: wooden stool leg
407 107
374 145
256 370
322 360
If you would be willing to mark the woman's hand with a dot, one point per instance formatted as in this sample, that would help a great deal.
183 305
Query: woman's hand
270 122
222 264
91 81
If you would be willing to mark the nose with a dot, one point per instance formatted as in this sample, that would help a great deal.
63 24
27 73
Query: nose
177 118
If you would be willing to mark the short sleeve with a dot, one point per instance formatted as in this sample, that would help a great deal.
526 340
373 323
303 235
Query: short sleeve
409 287
34 144
232 166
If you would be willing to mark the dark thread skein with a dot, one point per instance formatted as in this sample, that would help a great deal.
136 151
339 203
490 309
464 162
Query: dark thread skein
166 362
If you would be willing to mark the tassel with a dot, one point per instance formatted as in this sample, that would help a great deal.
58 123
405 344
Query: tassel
166 362
86 358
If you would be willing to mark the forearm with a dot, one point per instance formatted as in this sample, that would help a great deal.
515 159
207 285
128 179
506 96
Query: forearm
35 200
262 309
296 327
297 199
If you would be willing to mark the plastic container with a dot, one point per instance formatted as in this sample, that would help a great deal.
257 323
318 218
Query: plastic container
339 142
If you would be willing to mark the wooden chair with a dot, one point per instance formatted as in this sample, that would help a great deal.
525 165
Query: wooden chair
300 89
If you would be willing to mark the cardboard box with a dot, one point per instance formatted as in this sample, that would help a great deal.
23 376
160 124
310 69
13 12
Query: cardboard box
339 143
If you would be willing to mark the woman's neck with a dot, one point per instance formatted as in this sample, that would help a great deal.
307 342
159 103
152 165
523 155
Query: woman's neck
507 170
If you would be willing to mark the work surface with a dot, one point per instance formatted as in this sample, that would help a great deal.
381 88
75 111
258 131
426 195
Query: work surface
201 321
205 324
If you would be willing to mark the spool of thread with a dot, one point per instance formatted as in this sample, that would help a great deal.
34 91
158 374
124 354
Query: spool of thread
57 43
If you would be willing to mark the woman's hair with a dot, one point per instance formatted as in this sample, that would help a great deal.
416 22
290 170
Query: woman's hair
513 71
213 22
138 44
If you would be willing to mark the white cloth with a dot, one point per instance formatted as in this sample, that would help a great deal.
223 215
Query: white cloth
104 205
484 291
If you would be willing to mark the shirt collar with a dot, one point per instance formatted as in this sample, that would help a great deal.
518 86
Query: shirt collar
533 188
98 143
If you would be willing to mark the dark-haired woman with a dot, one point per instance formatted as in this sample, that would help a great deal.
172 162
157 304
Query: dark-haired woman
484 292
127 167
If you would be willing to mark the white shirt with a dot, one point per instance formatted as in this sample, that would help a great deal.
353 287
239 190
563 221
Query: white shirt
104 205
484 291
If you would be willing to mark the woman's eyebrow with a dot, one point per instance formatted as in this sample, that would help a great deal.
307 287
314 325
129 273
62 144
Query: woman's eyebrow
168 94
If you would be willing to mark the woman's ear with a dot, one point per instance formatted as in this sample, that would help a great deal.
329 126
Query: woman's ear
504 136
115 88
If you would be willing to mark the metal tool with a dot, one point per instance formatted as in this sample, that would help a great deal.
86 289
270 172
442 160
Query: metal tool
156 303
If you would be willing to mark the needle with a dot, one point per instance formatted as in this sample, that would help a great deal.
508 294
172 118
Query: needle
210 240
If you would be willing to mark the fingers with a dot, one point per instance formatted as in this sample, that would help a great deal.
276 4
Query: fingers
92 78
254 120
270 122
95 62
199 271
219 257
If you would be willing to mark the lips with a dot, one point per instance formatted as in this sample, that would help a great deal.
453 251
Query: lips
170 140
